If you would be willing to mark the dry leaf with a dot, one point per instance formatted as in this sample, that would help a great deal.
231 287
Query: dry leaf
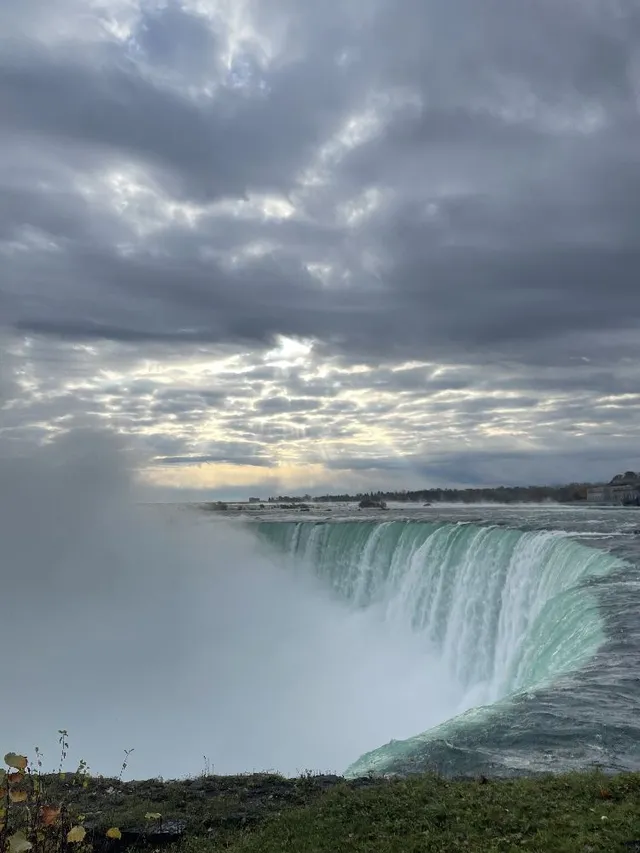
114 832
15 777
76 834
49 815
18 796
12 759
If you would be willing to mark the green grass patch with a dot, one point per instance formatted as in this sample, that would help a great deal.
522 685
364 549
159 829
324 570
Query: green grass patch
576 813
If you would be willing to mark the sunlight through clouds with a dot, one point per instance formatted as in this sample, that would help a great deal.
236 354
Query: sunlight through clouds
374 242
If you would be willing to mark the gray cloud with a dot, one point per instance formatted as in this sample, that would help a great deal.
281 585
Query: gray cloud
410 187
205 460
177 40
275 405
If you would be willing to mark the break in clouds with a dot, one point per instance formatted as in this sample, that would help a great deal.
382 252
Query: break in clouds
312 246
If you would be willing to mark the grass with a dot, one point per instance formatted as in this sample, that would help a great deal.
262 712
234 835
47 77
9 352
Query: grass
577 813
266 813
569 814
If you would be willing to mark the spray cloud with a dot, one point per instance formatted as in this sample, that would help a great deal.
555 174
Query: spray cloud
166 631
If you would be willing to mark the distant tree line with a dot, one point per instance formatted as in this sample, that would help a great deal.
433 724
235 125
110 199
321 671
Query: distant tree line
571 493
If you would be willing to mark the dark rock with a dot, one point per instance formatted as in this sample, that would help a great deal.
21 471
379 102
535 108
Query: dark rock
370 503
156 835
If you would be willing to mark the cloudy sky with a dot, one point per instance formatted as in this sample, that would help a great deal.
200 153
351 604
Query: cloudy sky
297 245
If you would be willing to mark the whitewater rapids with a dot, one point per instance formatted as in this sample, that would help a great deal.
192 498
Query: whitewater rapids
502 611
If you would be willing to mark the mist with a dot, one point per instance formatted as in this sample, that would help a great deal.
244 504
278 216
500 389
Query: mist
169 632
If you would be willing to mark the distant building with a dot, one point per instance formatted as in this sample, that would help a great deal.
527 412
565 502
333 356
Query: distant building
254 500
622 490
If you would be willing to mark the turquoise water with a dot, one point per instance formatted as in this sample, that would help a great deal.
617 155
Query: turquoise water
519 619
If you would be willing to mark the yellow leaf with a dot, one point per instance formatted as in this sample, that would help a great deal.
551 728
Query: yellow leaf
114 832
76 834
18 796
153 816
18 843
15 777
12 759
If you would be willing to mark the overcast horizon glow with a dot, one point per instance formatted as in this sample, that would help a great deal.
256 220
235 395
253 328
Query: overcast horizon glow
290 247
